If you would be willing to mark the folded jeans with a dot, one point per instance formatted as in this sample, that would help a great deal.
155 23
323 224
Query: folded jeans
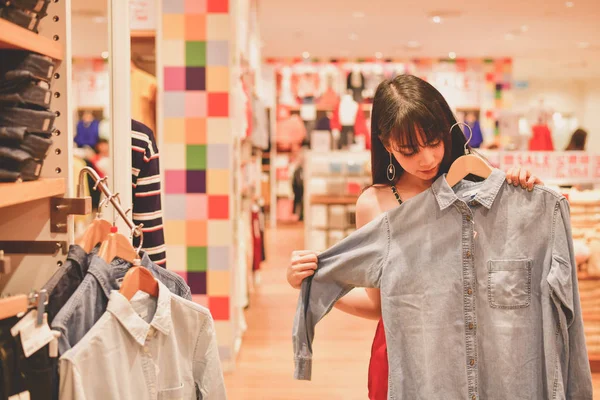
37 145
41 67
39 7
33 120
29 95
20 161
24 19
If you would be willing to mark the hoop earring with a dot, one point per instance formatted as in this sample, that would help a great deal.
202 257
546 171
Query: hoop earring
391 170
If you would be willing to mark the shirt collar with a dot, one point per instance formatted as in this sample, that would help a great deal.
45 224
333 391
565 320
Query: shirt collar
487 193
78 256
124 312
107 274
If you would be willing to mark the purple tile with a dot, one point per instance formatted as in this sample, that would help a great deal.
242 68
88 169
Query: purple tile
195 78
197 282
196 181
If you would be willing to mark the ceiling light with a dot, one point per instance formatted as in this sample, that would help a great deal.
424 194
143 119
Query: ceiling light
570 4
379 55
353 36
105 55
306 55
509 36
413 44
358 14
452 55
583 45
524 28
436 19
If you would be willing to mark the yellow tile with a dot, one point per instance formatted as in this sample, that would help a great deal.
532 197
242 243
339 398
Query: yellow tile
217 181
218 130
175 232
174 131
173 26
217 79
217 27
219 283
172 155
177 257
219 233
173 53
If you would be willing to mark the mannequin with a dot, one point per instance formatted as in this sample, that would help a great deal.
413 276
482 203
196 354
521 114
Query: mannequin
541 139
356 83
347 117
143 97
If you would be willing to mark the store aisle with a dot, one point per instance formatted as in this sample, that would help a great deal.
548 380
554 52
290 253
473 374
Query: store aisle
264 368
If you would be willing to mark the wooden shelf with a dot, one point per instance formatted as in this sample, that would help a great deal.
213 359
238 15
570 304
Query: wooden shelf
22 192
143 34
324 199
15 37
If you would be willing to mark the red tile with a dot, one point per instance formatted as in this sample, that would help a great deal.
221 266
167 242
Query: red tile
219 308
217 6
218 104
218 207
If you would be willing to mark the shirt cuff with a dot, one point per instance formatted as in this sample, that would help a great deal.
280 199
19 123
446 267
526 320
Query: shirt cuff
303 370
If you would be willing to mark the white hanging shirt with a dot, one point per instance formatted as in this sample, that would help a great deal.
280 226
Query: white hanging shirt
348 109
174 356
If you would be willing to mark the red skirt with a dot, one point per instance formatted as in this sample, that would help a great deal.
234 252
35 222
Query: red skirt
378 367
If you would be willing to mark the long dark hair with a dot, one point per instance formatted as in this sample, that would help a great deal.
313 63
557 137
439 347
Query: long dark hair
403 109
577 141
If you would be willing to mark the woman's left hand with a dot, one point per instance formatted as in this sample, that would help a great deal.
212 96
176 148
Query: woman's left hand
522 177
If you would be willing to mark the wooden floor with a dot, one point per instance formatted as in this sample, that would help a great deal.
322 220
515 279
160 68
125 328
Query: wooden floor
264 369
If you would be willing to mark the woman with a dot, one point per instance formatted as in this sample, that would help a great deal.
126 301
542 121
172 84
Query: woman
412 145
577 142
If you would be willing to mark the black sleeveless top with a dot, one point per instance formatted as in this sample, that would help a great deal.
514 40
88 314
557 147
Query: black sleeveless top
396 194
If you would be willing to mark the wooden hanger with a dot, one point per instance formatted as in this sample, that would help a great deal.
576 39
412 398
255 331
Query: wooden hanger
14 305
467 164
136 279
96 233
117 245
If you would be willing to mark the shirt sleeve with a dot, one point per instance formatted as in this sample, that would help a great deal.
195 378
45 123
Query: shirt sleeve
71 387
356 261
208 374
573 362
146 192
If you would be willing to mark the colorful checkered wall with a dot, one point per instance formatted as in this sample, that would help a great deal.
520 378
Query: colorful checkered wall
196 151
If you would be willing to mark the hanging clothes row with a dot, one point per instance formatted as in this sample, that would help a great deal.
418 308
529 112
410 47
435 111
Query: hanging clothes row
122 326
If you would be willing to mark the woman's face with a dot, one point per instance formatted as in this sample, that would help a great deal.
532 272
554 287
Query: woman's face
425 163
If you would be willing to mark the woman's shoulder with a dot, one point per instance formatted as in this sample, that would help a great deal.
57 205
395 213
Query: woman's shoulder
373 202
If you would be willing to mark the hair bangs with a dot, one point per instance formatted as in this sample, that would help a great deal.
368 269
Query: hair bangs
417 126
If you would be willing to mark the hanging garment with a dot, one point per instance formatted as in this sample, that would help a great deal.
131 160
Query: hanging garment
88 303
356 84
66 280
261 222
541 139
143 97
477 138
30 377
149 348
257 247
146 192
323 124
87 133
329 100
260 124
346 137
464 297
290 132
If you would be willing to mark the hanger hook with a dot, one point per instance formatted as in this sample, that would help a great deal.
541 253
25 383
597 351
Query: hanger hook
470 134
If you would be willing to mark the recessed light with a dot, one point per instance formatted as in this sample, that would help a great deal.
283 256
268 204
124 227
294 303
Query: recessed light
413 44
105 55
436 19
583 45
358 14
570 4
524 28
509 36
353 36
379 55
305 55
452 55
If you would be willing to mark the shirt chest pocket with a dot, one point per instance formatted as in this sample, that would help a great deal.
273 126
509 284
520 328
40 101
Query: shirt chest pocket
174 393
509 283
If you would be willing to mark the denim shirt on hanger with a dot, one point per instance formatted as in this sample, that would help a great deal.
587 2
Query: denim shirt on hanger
479 294
88 303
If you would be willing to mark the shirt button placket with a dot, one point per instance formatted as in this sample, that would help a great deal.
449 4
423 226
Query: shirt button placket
468 273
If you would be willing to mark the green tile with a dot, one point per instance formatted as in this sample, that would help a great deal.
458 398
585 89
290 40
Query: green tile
196 157
195 54
197 259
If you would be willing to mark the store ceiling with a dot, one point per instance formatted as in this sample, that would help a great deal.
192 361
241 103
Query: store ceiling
547 38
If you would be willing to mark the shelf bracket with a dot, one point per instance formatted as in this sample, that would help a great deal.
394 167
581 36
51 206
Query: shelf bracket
4 263
61 208
33 247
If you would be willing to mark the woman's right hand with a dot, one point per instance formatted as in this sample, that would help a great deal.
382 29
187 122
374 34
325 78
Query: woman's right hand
303 264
